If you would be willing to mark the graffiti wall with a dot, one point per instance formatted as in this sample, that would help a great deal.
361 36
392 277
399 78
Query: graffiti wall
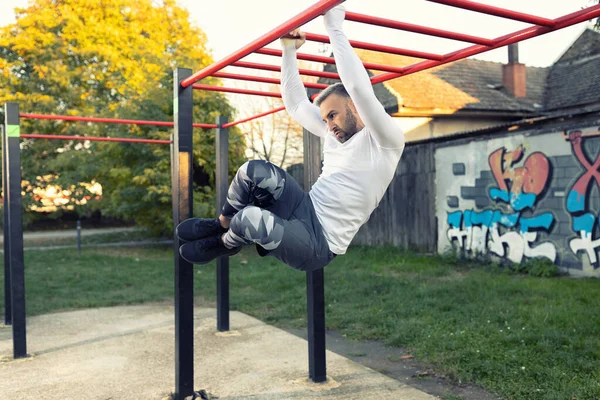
520 197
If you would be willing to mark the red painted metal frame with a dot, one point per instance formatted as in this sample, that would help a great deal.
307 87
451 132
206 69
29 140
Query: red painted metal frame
327 60
93 138
277 68
108 120
307 15
541 26
523 34
498 12
262 79
377 47
235 90
273 111
404 26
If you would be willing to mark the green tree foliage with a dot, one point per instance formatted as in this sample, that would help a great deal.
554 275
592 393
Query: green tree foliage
109 58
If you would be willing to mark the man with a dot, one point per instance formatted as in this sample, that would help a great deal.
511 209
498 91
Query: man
265 206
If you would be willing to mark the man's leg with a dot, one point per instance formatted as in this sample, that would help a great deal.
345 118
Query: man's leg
257 183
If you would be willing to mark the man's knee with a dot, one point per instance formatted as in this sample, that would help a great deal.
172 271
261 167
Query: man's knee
259 226
268 179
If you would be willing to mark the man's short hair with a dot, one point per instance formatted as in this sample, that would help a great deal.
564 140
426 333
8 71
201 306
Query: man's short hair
336 88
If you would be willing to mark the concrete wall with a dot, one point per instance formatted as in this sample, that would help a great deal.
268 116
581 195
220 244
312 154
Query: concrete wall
521 196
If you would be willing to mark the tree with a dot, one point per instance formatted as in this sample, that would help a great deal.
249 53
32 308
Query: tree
276 138
110 58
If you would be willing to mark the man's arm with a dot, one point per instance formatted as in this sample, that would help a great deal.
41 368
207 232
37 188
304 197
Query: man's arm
356 81
294 94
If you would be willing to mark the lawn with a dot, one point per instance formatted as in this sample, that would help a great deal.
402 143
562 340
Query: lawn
520 336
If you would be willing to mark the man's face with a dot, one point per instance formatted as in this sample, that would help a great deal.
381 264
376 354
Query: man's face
338 112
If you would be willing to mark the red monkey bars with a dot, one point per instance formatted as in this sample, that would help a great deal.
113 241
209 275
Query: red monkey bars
540 26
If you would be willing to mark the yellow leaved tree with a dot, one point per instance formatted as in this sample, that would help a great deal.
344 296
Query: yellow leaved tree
108 58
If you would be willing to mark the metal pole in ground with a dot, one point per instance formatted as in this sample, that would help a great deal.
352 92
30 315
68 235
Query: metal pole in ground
7 292
78 237
182 209
11 144
315 280
222 184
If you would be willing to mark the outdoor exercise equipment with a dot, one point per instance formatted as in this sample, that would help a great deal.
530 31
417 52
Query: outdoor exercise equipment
185 81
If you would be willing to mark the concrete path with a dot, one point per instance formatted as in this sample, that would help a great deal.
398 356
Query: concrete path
70 233
128 353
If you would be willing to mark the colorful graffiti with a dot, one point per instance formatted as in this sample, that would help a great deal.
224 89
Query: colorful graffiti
518 189
583 220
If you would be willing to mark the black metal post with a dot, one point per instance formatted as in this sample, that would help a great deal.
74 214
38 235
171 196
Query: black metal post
78 237
12 142
6 244
182 209
222 185
315 280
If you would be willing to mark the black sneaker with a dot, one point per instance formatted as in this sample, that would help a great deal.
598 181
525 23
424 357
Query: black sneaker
205 250
199 228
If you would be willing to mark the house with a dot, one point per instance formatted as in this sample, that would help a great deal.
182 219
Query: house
501 160
471 94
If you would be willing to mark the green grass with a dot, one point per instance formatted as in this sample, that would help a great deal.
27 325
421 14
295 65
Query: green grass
520 336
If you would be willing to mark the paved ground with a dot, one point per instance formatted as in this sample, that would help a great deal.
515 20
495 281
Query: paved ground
69 233
127 353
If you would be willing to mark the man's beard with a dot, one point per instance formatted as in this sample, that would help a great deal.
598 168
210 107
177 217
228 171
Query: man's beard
350 126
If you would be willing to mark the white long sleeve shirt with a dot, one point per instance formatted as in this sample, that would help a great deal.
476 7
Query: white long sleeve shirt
356 173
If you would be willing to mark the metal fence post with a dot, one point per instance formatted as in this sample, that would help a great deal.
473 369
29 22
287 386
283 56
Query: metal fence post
315 280
6 243
222 184
182 209
78 237
12 147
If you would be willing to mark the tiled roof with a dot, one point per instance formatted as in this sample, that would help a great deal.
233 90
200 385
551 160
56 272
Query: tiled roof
574 80
462 85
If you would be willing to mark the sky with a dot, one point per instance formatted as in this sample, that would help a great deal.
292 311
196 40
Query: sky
231 24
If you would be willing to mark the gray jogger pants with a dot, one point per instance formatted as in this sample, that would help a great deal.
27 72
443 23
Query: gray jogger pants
268 208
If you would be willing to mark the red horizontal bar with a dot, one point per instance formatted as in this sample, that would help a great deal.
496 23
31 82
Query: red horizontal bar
90 119
388 23
307 15
523 34
313 37
273 111
108 120
277 68
93 138
329 60
264 79
235 90
497 11
204 126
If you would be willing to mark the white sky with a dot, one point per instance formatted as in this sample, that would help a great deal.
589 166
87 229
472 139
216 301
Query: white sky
231 24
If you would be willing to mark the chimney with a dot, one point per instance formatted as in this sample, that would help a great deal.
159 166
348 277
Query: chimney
514 73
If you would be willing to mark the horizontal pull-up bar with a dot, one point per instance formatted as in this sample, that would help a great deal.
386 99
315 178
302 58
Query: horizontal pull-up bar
273 111
277 68
235 90
330 60
108 120
404 26
307 15
93 138
313 37
523 34
498 12
262 79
